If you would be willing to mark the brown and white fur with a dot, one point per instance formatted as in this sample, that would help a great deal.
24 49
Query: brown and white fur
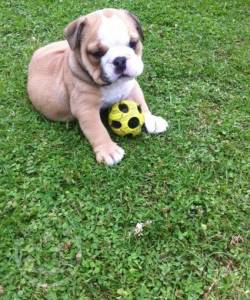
93 69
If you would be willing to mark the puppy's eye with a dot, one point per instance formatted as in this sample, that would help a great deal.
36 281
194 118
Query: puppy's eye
97 54
133 44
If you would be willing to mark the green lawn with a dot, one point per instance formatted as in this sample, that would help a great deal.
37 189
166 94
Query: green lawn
67 224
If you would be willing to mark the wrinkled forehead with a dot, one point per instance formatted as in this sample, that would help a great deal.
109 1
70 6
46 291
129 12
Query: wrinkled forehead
113 31
108 28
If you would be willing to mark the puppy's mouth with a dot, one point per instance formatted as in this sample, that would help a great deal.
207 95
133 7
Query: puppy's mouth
105 78
124 76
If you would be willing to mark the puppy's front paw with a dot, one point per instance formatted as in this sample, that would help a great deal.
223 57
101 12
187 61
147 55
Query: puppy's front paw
155 124
109 154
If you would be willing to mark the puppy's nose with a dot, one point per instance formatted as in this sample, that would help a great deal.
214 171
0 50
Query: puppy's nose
120 63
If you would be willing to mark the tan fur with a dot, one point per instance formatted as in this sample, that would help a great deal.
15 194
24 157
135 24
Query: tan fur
60 90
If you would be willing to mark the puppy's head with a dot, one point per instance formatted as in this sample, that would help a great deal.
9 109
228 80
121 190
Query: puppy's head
108 44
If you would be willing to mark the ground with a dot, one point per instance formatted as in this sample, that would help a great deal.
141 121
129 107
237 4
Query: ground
172 220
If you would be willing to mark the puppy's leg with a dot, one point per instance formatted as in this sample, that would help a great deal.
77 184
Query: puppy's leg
154 124
105 149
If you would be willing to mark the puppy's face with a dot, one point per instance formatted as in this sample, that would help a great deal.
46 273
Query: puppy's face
107 44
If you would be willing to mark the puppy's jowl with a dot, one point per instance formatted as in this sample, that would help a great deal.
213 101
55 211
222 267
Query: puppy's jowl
95 67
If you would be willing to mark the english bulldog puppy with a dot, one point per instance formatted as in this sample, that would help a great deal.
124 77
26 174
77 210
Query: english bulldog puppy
93 68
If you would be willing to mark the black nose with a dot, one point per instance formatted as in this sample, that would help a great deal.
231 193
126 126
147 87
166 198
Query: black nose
120 63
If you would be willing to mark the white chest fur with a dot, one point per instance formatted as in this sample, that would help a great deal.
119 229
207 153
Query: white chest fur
117 91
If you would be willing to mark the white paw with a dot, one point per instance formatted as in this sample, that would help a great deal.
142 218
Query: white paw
155 124
109 154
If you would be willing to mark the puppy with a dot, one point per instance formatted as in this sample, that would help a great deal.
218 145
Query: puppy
93 68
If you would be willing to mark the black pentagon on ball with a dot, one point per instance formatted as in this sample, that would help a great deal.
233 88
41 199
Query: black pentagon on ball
116 124
133 122
139 108
123 107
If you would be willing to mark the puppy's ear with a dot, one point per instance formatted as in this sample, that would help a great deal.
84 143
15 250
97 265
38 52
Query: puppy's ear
73 32
137 23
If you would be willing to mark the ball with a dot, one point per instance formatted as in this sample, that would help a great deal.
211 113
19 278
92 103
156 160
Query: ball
126 118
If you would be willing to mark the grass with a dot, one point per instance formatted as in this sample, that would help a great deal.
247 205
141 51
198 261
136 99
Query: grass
67 223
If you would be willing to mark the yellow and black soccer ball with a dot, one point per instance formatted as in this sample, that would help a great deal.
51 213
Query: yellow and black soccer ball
126 118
